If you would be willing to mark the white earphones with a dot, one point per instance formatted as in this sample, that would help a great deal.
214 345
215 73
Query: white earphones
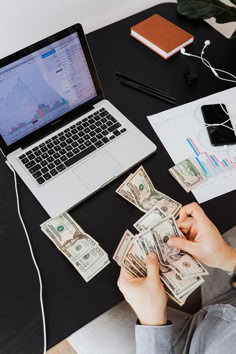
207 63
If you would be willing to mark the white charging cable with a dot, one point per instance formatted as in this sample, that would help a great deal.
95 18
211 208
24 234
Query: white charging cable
221 124
33 258
206 125
208 64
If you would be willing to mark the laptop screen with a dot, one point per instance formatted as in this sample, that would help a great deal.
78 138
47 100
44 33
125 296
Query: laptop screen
42 86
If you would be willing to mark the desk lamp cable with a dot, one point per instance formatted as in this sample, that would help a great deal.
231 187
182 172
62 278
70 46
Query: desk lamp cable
32 255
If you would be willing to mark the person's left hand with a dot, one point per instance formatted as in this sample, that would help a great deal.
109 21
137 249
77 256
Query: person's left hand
146 296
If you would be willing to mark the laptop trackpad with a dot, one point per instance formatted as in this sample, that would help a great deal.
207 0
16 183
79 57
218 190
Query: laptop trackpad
98 170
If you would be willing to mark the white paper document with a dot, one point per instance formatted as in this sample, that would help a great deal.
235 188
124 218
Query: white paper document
183 133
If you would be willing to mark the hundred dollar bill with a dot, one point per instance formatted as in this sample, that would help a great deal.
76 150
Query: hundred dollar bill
152 216
146 196
78 247
188 174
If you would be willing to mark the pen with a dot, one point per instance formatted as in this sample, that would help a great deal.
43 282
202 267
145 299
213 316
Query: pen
125 77
147 91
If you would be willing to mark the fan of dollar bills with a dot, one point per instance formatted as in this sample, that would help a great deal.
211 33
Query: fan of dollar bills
78 247
180 273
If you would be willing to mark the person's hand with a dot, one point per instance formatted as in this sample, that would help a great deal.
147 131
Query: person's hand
204 241
146 296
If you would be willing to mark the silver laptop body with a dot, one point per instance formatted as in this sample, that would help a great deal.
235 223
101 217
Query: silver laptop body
58 132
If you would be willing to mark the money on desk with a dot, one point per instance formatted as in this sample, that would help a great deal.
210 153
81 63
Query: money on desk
180 273
78 247
139 190
188 174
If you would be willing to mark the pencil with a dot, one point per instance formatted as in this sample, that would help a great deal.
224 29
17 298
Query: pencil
147 91
162 93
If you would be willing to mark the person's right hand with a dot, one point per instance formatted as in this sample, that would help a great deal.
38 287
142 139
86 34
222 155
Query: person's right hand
203 240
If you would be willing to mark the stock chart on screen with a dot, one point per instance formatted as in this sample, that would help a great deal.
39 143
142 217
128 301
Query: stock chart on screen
43 86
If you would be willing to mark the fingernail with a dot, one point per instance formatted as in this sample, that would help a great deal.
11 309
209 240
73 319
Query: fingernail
152 255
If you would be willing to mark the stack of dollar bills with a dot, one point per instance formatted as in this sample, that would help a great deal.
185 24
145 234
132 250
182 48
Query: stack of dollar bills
78 247
180 273
188 174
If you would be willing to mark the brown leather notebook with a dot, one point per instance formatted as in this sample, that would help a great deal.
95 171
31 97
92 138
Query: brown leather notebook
161 35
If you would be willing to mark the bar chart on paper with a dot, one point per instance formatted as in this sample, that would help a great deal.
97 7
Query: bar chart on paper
210 164
183 133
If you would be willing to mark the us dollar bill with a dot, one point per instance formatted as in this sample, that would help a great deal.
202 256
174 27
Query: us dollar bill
186 265
183 264
92 263
161 233
188 174
152 216
179 286
127 254
125 192
78 247
146 196
180 273
182 298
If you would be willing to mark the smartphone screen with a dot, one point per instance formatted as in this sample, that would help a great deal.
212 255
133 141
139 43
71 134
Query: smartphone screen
214 114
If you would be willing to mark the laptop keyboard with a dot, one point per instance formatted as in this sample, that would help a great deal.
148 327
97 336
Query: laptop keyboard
55 155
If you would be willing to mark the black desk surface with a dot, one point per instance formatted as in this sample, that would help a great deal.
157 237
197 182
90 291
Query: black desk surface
69 302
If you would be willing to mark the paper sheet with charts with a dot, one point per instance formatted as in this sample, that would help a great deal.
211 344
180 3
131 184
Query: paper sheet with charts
183 133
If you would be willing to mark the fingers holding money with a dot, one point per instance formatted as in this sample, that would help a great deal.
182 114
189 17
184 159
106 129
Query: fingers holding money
188 228
180 273
153 268
124 276
192 209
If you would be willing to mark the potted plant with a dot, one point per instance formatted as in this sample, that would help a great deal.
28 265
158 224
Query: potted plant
205 9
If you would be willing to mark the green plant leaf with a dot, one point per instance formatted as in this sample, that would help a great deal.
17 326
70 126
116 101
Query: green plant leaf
205 9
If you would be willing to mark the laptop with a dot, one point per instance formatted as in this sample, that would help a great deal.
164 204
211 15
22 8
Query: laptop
58 132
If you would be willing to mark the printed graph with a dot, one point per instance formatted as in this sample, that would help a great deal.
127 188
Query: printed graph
210 164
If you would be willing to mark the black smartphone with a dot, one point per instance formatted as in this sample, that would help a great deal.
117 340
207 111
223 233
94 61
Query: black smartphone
219 135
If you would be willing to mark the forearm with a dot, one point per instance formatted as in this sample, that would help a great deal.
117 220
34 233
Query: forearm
228 260
154 339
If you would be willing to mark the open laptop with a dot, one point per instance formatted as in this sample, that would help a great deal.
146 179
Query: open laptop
58 132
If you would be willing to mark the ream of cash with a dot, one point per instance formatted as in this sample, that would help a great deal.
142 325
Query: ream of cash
128 255
78 247
188 174
139 190
180 273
